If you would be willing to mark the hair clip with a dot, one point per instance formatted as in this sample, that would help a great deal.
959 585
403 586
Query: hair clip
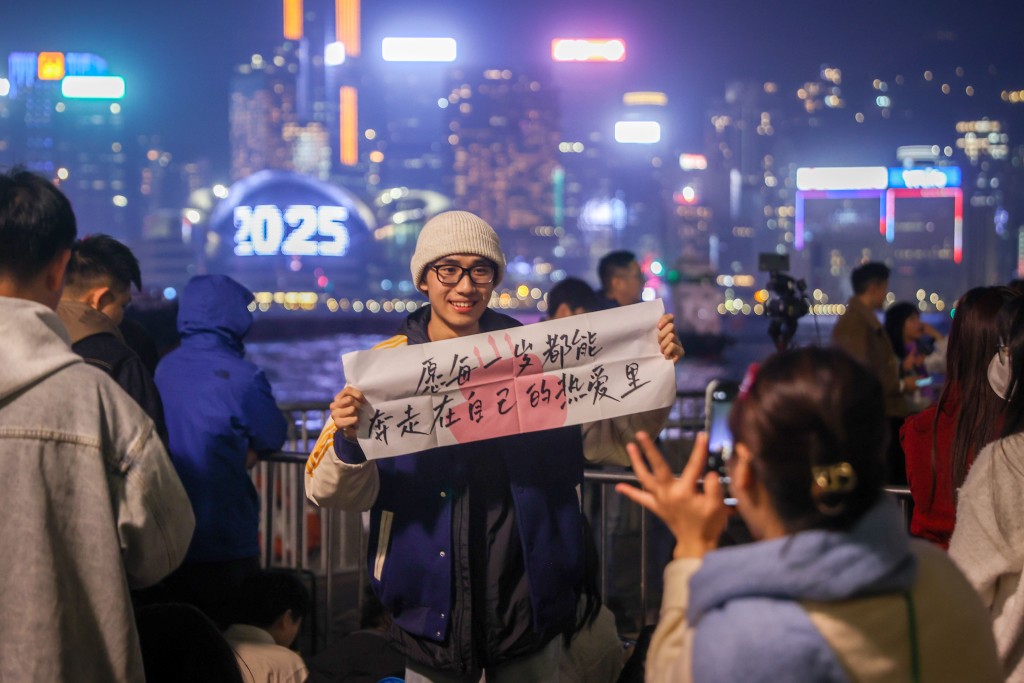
837 478
748 381
830 481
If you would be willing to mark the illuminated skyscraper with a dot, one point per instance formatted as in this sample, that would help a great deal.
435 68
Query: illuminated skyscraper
406 127
262 110
62 118
299 109
503 129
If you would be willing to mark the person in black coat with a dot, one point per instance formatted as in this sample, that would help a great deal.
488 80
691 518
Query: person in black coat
97 288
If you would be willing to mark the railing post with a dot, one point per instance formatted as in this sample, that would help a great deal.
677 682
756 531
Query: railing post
268 520
603 529
644 528
328 553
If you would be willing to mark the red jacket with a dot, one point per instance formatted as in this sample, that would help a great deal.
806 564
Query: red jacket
934 514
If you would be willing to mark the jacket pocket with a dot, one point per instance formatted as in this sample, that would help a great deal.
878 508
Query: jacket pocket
383 537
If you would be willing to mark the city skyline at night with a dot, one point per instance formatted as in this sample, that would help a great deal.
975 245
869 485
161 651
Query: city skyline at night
567 159
179 59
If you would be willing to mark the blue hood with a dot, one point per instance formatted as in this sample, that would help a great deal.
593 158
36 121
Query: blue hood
872 558
215 304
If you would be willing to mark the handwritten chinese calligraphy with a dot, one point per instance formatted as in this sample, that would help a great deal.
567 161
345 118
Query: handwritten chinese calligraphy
551 374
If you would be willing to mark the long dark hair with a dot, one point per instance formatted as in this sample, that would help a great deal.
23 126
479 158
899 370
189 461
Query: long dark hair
815 409
1011 332
895 317
970 347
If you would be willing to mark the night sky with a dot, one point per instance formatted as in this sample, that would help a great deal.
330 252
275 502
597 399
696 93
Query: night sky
178 57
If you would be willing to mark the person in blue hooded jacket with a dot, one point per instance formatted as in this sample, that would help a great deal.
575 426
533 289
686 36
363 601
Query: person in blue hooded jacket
834 589
221 416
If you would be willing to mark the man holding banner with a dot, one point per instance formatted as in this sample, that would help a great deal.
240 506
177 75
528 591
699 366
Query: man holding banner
476 535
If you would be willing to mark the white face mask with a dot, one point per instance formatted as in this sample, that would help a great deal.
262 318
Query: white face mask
999 374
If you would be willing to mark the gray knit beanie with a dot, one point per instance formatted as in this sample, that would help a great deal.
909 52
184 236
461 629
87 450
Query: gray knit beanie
456 232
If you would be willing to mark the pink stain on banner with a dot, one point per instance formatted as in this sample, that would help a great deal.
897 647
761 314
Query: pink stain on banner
507 395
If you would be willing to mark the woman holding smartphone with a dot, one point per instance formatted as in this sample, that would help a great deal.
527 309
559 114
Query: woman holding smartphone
920 348
833 589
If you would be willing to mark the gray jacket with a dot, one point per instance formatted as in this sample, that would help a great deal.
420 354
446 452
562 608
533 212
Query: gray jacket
91 507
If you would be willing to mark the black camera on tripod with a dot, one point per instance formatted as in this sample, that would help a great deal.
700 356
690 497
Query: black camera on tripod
788 300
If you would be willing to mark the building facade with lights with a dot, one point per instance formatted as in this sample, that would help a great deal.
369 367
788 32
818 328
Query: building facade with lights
504 135
62 116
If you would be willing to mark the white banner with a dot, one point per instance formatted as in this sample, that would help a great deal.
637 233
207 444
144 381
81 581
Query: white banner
523 379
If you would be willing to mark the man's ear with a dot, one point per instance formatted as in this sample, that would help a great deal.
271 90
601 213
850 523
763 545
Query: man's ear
422 286
54 272
100 297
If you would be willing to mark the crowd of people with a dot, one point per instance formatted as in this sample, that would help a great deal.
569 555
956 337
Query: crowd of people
132 519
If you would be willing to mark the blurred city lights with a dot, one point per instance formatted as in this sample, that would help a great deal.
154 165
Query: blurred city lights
5 87
693 162
93 87
846 178
418 49
638 132
293 20
645 98
50 66
334 53
686 196
588 50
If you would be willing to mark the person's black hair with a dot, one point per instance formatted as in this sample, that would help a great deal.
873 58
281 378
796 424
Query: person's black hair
100 260
966 394
895 317
611 264
573 292
590 587
1011 335
265 595
180 643
36 224
807 412
1016 285
863 276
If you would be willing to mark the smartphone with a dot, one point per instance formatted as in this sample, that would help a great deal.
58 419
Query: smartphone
719 398
923 382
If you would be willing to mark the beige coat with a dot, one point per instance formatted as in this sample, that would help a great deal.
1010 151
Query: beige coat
988 543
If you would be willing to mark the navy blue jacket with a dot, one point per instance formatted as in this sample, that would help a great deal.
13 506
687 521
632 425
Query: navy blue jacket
218 406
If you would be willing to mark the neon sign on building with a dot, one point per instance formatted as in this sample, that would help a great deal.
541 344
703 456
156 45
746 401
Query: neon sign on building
588 50
886 185
298 230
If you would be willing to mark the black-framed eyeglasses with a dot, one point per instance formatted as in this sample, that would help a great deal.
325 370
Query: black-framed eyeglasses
449 274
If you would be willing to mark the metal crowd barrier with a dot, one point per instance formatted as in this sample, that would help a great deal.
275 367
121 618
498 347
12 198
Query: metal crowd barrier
324 544
295 534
